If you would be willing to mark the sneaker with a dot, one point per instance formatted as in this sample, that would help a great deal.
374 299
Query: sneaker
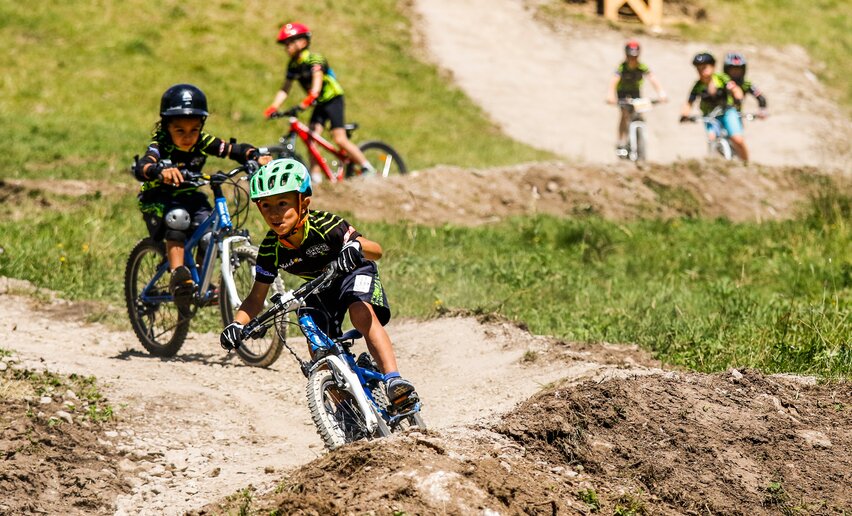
181 288
401 394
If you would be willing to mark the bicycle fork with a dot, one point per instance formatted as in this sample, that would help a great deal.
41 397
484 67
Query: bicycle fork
633 131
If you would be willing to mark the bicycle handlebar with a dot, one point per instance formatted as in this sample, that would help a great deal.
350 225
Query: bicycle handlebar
287 113
282 302
200 178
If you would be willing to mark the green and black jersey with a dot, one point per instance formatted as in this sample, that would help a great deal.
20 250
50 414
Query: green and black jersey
325 235
301 69
750 88
161 148
630 79
722 98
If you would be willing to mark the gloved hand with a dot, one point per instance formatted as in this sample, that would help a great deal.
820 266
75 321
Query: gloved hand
684 118
231 337
270 111
350 256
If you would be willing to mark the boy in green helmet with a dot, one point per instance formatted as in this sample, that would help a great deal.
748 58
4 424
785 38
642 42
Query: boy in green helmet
303 242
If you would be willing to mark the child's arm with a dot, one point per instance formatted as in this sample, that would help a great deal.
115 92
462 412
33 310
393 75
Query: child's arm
371 250
279 99
657 86
735 90
316 87
611 96
253 303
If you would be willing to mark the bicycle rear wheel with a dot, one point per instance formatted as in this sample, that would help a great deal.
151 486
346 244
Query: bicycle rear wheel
156 320
384 158
264 351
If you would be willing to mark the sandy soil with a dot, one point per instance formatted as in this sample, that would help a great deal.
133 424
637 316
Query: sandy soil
546 85
201 425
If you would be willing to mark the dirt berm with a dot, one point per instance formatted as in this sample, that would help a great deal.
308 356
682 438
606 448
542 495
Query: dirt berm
670 443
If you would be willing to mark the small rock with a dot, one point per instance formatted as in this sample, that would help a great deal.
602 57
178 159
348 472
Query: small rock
112 434
215 472
269 469
736 374
815 438
45 400
65 416
557 469
3 366
552 186
70 395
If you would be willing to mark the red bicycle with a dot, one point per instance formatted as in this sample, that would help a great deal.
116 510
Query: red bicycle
335 162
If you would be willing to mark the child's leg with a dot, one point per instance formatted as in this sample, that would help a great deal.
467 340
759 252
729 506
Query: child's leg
378 342
174 253
342 141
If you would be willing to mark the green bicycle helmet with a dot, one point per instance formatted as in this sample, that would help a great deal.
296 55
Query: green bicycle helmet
280 176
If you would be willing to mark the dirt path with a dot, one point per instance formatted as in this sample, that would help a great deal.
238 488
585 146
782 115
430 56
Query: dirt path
201 425
547 87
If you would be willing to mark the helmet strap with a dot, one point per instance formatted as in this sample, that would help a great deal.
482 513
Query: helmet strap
299 225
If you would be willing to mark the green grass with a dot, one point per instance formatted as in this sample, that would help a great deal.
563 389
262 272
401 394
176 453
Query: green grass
708 294
822 27
82 81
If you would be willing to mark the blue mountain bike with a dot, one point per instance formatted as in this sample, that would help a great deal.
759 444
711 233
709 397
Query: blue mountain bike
155 318
346 395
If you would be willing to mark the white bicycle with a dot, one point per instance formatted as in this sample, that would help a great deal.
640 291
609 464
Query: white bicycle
637 142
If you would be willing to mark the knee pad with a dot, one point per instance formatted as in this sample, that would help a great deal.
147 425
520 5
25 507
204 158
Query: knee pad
178 219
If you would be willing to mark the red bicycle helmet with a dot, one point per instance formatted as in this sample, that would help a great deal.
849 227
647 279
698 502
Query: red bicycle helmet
293 31
631 49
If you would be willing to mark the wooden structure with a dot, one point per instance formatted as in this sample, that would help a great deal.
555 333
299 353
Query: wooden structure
650 12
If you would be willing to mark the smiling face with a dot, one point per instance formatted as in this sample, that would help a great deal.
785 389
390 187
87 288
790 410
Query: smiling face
185 131
283 212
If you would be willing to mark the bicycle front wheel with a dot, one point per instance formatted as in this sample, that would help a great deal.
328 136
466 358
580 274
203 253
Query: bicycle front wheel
336 413
154 317
384 159
264 351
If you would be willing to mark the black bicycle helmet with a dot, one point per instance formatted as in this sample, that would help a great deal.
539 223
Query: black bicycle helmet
703 58
183 100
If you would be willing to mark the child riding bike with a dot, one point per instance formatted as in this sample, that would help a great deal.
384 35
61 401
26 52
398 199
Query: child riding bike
172 210
303 242
627 84
323 90
717 90
735 67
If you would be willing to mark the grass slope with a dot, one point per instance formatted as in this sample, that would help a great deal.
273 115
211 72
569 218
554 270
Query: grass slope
82 80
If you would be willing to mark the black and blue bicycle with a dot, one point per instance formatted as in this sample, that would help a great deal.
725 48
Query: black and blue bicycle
346 395
153 314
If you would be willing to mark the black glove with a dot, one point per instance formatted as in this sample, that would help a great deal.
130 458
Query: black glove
350 257
684 118
231 337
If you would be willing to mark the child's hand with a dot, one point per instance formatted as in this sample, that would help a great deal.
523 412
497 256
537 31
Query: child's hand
231 337
350 256
172 176
263 160
268 112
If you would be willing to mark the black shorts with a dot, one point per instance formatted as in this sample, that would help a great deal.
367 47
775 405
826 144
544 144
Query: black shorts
628 95
329 111
362 284
154 205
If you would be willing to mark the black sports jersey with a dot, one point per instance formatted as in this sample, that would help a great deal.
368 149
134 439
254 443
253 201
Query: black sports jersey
325 235
722 97
162 148
630 79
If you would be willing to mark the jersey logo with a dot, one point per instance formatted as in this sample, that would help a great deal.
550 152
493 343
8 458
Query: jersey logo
317 250
287 265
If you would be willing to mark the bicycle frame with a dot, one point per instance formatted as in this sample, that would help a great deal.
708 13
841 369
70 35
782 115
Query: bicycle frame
218 223
328 352
312 140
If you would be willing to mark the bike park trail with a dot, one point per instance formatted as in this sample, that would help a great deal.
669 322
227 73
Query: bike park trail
545 82
201 425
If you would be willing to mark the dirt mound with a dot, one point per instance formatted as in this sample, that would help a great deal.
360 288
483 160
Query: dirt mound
52 462
622 192
733 443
